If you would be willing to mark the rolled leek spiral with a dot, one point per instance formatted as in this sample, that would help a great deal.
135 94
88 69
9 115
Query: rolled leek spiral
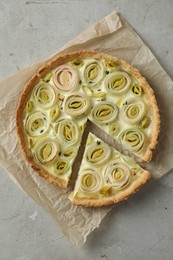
46 150
44 95
89 92
76 105
29 106
133 111
90 181
77 63
111 65
104 112
66 78
93 72
118 82
37 124
134 139
54 113
114 129
137 89
145 122
98 154
70 152
68 131
117 174
47 77
61 167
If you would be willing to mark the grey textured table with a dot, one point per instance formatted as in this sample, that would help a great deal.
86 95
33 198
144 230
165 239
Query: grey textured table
142 227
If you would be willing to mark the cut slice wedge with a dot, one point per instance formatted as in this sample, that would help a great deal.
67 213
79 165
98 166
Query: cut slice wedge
106 176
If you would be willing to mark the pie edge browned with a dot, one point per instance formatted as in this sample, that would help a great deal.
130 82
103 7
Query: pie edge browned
120 196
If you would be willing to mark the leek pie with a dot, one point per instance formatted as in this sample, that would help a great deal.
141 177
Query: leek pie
106 176
69 90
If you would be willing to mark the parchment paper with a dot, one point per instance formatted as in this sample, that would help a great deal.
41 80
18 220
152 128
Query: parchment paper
114 36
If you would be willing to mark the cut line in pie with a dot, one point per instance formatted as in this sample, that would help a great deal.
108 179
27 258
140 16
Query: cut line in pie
67 91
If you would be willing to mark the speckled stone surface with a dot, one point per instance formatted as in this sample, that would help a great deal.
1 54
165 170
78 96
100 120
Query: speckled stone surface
140 228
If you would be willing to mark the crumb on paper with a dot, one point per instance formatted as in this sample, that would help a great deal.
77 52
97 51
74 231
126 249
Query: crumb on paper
33 216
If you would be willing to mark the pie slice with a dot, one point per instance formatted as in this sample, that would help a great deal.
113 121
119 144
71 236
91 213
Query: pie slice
62 95
106 176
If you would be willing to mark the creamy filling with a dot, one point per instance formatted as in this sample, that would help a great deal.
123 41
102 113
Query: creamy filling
98 90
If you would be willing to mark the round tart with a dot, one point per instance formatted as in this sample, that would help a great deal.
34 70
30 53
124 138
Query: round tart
69 90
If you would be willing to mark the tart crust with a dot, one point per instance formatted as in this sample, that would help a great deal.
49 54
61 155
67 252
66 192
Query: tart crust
120 196
59 60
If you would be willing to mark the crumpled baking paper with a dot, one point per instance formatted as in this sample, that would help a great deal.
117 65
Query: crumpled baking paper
112 35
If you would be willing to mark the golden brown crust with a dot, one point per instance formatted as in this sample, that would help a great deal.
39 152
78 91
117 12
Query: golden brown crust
53 64
122 195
